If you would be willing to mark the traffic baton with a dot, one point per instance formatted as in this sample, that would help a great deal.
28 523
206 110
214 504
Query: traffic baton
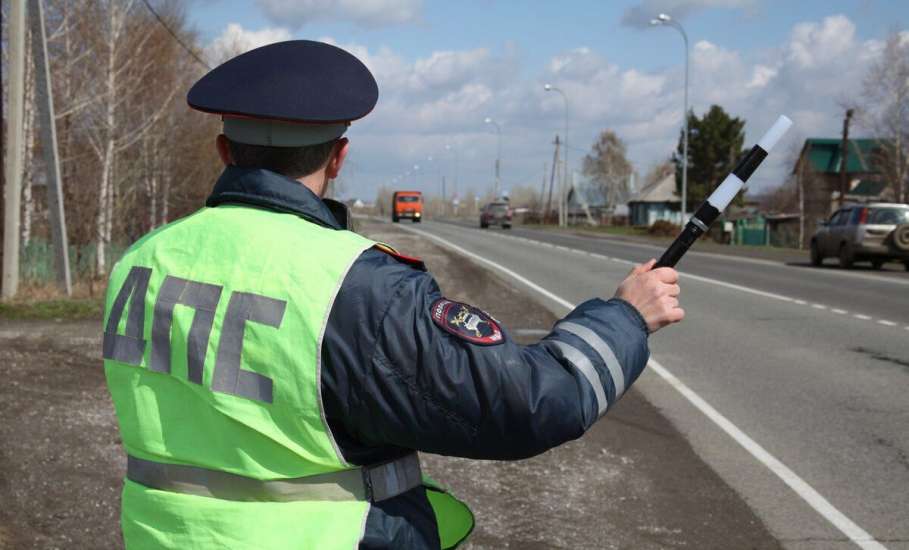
721 197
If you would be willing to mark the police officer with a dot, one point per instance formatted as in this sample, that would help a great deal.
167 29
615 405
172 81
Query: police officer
274 373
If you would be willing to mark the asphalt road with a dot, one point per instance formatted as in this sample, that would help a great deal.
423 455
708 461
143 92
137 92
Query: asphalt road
806 370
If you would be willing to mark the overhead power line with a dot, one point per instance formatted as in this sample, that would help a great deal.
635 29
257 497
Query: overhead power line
174 35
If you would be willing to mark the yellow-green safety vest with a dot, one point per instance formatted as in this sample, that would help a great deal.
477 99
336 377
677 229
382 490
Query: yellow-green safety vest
212 350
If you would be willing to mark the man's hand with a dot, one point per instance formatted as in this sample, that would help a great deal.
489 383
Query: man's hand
654 293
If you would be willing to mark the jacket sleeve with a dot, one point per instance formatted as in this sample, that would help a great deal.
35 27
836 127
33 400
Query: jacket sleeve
393 376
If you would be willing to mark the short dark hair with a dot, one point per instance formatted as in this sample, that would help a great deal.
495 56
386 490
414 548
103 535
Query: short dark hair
293 162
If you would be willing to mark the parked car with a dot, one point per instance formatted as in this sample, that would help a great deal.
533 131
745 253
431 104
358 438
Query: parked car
407 204
496 213
876 233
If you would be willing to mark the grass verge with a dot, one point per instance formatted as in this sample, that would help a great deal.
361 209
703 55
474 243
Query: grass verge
72 309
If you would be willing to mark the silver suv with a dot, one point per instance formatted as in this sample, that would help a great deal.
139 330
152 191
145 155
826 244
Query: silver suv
875 232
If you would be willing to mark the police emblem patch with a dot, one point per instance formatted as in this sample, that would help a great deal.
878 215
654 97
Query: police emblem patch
466 322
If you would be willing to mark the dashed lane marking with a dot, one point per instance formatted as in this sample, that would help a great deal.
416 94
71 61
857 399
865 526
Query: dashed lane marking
741 288
886 323
808 493
738 259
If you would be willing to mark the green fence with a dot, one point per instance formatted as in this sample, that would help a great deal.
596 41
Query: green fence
751 232
36 261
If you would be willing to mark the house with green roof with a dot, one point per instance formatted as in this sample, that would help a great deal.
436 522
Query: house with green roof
817 171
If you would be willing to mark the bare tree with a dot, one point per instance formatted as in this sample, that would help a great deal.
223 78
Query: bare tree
132 158
525 196
884 110
127 61
607 164
28 157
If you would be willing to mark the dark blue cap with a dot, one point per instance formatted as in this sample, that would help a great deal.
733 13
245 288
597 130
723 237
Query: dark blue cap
295 81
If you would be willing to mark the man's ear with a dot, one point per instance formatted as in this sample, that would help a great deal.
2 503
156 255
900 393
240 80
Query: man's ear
223 148
336 161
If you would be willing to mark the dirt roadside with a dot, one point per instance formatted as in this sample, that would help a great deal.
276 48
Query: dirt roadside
631 482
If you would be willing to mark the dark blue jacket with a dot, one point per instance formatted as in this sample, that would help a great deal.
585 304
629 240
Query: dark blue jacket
394 379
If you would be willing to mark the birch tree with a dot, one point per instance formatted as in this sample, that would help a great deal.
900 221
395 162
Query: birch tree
884 110
126 66
608 165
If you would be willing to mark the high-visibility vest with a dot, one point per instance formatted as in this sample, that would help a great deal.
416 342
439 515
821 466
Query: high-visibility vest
212 348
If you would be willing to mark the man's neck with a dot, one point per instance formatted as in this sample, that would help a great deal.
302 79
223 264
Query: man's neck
316 183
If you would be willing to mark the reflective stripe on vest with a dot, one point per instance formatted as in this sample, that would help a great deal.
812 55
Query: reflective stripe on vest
369 483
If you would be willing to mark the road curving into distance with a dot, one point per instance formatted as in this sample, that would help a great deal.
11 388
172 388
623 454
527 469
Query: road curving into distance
796 378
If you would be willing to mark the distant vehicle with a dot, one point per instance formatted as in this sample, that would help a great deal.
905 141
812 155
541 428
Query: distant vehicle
496 213
875 232
407 204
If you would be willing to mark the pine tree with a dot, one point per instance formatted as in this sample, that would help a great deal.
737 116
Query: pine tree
714 146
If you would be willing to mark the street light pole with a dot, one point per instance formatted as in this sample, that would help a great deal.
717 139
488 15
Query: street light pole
563 214
495 191
664 19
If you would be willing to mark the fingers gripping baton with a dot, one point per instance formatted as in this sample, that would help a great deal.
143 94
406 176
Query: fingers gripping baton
723 195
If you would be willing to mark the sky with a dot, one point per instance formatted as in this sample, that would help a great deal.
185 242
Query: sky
444 67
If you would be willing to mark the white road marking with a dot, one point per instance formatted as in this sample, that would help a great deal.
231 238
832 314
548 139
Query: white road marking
740 259
808 493
886 323
710 281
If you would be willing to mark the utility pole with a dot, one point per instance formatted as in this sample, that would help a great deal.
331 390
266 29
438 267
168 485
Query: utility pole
45 99
555 164
844 157
800 182
543 193
13 176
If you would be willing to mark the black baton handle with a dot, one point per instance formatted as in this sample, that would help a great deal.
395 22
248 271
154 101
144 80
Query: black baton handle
696 226
679 246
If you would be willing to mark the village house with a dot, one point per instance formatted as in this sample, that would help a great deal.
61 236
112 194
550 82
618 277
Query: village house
817 173
656 201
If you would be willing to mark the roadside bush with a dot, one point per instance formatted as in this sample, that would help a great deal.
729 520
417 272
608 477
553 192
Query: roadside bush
663 228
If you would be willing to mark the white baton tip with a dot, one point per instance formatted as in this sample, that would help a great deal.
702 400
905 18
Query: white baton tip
775 132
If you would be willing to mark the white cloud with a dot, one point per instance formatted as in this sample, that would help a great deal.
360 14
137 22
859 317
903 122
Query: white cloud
640 15
366 13
447 68
813 44
235 40
442 98
761 75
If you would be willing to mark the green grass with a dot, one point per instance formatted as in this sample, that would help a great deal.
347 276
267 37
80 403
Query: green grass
86 308
618 230
622 230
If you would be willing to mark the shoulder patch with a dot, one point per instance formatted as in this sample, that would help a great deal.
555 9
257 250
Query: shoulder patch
467 322
415 263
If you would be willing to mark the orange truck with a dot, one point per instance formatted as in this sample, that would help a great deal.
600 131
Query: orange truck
407 204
